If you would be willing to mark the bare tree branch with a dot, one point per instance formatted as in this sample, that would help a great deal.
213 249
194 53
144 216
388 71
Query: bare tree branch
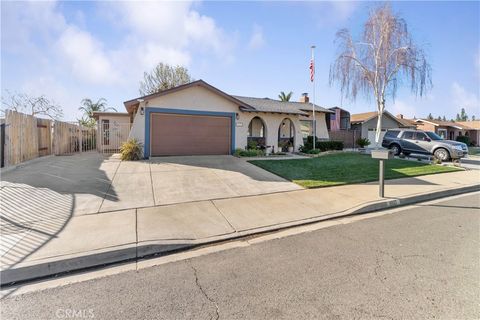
35 106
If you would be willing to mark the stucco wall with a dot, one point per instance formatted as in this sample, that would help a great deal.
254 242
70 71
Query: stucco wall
200 99
322 131
387 123
138 126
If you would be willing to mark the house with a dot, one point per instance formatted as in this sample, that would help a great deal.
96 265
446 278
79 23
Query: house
199 119
113 129
366 123
339 120
451 130
471 129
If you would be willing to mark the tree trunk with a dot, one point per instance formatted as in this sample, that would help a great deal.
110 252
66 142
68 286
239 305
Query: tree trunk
381 107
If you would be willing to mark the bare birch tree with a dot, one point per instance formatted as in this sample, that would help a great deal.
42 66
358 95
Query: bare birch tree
384 58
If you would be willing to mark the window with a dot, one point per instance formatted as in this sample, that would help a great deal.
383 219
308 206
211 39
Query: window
344 123
306 126
433 135
421 136
106 131
392 134
442 133
408 135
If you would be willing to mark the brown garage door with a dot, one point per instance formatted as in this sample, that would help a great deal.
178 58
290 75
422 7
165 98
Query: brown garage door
178 134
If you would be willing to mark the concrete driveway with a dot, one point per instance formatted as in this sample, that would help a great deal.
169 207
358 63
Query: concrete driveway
39 199
89 183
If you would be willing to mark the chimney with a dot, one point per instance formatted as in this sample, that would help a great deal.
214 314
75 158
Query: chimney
399 116
304 98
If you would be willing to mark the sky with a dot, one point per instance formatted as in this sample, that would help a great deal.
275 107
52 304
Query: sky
71 50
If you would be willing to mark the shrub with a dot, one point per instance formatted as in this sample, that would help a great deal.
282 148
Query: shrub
248 153
363 142
252 145
463 139
321 145
131 150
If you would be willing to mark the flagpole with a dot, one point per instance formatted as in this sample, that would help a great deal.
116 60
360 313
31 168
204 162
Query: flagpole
313 99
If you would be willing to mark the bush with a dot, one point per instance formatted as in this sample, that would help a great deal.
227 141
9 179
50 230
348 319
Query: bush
252 145
463 139
321 145
248 153
131 150
363 142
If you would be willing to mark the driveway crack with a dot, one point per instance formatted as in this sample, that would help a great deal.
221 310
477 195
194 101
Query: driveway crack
217 314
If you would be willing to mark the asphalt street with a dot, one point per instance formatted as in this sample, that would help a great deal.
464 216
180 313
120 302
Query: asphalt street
419 263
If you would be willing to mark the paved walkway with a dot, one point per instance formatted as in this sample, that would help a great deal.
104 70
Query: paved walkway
93 239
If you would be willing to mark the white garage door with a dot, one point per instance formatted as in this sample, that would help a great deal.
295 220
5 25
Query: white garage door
371 137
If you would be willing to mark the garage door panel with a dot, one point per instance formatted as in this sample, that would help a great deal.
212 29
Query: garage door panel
175 134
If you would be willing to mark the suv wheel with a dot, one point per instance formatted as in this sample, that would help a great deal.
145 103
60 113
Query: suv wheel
396 149
442 154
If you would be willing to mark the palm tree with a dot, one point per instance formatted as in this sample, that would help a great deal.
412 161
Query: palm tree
89 107
285 97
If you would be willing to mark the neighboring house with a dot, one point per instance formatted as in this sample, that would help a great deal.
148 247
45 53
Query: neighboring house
113 129
199 119
472 130
366 123
339 120
451 130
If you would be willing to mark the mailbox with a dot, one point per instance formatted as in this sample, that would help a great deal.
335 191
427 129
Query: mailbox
382 154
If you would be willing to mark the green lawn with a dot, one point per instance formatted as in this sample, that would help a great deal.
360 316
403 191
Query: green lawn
344 168
474 150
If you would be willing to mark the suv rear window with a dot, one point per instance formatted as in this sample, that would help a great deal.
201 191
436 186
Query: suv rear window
408 135
392 134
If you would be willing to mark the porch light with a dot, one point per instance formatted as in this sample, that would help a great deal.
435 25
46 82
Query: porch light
142 111
237 116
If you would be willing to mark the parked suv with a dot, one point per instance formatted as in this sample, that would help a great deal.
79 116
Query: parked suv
423 142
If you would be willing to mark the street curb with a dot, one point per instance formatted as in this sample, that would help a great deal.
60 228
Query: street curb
24 273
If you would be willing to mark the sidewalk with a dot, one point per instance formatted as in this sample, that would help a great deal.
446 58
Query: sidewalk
98 239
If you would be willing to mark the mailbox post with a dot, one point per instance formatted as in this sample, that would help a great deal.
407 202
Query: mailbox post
381 155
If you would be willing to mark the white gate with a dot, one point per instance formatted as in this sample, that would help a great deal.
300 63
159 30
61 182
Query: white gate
111 136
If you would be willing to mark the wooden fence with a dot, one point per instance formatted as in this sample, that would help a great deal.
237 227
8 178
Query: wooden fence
25 137
348 137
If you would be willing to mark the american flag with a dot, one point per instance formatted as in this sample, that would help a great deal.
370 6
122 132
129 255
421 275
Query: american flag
312 70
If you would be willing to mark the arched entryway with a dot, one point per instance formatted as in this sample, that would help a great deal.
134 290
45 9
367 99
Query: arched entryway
256 134
286 136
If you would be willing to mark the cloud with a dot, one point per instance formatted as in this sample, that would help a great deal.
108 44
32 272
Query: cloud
59 54
86 57
257 39
342 10
461 98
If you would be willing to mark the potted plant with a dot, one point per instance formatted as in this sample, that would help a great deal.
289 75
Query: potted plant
290 146
362 143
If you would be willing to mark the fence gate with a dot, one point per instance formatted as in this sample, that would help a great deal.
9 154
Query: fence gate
111 136
71 137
